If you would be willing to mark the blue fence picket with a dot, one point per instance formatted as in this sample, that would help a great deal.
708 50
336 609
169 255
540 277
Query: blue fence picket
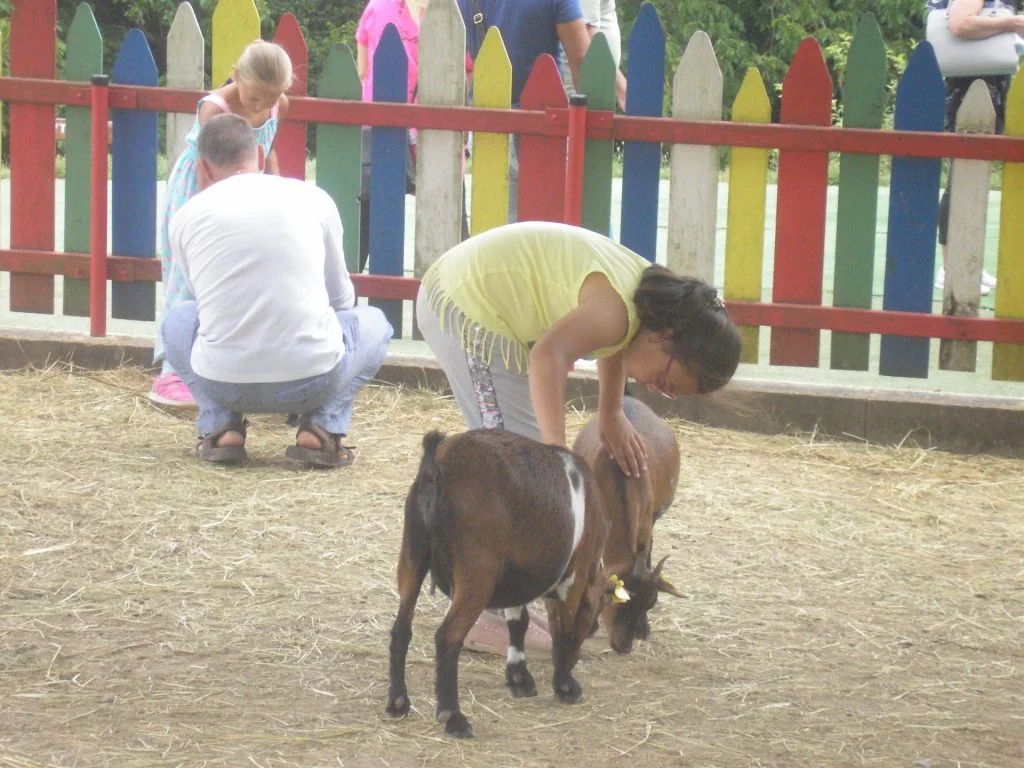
642 160
388 160
133 176
913 214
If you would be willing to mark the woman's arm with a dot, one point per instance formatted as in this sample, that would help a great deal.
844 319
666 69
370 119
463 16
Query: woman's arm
599 321
966 21
618 436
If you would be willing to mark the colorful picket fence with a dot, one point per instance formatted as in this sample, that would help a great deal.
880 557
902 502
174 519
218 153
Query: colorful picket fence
804 139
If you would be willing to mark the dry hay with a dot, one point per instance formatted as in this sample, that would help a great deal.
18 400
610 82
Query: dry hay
849 604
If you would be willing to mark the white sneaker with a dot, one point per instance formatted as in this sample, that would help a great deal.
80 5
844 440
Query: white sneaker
987 281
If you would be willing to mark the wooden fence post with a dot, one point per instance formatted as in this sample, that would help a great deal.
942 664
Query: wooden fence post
968 209
83 58
439 154
290 142
913 212
388 157
32 39
542 158
853 278
1008 359
235 24
492 88
748 189
186 60
339 148
800 211
597 82
641 167
693 187
133 164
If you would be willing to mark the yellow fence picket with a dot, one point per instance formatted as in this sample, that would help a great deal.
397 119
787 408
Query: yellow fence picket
236 23
1008 359
492 87
748 187
693 188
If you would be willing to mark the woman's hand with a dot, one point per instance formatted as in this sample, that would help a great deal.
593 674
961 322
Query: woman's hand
623 443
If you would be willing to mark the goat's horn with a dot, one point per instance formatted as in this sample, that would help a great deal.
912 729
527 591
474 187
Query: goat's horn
640 566
657 569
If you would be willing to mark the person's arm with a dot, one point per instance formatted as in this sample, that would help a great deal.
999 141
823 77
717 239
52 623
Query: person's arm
272 165
176 237
574 39
966 21
340 292
599 321
207 110
362 61
592 17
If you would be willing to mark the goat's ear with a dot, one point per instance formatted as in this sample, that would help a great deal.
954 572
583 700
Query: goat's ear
615 592
665 586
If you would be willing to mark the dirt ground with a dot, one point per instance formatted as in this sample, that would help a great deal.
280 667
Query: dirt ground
849 605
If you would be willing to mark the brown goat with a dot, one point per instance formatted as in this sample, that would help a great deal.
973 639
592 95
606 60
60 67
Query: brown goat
631 506
499 520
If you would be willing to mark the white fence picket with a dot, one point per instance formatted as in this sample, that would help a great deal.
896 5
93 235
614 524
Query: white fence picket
186 57
693 188
968 200
439 167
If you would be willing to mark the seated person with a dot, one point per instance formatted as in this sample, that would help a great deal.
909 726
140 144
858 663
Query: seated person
274 327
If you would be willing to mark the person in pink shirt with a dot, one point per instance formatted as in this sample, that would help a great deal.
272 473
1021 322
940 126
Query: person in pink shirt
405 15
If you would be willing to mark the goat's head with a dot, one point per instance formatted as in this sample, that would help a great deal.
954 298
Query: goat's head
627 621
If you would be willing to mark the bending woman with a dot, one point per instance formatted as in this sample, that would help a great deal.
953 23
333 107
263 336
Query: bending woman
508 312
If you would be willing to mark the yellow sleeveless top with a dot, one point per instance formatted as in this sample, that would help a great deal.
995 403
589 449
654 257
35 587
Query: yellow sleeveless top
509 285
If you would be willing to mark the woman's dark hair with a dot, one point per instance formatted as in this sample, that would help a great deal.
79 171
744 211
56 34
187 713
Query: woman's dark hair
690 313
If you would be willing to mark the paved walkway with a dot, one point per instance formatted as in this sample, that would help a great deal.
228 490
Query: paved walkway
937 382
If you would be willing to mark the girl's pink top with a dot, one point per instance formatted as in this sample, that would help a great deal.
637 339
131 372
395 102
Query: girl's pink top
377 15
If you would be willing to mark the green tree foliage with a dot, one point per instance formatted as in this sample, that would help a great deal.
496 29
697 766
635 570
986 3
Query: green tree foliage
746 33
765 33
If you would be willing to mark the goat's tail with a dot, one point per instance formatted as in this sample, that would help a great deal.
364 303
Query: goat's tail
428 480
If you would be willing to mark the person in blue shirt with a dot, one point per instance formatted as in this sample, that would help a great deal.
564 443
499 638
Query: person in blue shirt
528 28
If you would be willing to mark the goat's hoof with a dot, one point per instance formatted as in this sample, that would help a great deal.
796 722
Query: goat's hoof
569 691
458 726
398 706
520 681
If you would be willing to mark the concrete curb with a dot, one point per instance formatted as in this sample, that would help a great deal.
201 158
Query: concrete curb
960 423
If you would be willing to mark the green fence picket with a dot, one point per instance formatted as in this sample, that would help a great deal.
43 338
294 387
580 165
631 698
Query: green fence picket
339 147
83 59
863 104
597 82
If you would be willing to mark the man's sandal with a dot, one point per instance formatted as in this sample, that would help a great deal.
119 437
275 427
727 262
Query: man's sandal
208 450
331 452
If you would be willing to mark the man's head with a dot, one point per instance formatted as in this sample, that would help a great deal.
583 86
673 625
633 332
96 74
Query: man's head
226 148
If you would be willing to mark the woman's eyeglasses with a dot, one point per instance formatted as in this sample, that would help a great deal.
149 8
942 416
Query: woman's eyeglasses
664 378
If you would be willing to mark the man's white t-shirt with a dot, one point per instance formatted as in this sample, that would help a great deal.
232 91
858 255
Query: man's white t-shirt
263 256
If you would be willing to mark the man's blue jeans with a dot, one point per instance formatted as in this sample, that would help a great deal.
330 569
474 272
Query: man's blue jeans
325 400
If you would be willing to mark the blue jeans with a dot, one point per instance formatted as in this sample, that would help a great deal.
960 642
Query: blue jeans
325 400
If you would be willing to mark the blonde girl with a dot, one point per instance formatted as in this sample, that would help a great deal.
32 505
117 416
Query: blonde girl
256 92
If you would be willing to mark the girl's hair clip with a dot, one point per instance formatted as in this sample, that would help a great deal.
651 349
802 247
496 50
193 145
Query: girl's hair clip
715 302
